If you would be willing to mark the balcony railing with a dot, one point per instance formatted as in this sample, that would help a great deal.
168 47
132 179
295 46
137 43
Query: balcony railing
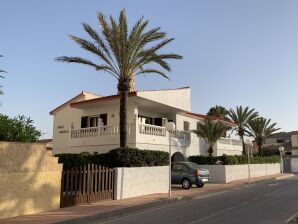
229 141
145 129
148 129
99 131
180 134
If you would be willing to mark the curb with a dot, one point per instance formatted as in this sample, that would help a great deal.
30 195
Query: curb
285 176
125 211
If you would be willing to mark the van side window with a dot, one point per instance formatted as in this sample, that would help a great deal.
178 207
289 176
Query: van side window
177 167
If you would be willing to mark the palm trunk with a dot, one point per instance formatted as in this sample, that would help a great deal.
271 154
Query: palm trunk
210 150
260 148
243 145
125 85
123 91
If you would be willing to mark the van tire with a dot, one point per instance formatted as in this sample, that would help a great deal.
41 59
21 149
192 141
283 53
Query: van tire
186 184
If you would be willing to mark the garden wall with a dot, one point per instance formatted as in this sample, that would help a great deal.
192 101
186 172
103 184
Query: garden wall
138 181
228 173
294 165
30 179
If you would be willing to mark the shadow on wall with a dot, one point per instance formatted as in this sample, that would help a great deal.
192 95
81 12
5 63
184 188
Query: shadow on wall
30 179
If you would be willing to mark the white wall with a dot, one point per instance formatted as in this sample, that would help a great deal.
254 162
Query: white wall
294 165
178 98
228 173
70 119
294 139
138 181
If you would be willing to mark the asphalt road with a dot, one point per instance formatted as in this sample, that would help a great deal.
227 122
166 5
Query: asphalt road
264 202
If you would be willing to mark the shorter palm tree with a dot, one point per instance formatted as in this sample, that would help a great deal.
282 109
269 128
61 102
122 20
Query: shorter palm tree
218 112
211 131
241 117
260 128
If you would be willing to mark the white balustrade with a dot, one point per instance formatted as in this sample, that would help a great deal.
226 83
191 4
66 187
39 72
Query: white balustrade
99 131
180 134
229 141
145 129
148 129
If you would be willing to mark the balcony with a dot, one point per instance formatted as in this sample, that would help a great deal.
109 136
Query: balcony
99 131
227 146
143 129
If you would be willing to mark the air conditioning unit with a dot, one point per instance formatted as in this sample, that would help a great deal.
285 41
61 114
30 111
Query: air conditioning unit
164 121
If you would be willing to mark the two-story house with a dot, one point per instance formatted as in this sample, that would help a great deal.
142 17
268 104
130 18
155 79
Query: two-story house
90 123
289 140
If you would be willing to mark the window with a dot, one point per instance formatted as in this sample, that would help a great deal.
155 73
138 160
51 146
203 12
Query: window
186 126
103 119
84 122
145 120
176 167
158 121
94 121
198 125
280 140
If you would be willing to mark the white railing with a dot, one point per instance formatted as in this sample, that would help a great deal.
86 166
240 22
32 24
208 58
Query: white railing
149 129
229 141
180 134
99 131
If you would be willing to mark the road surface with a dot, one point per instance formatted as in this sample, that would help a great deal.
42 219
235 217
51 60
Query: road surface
264 202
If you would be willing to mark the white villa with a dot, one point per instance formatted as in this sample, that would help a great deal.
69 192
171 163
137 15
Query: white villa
90 123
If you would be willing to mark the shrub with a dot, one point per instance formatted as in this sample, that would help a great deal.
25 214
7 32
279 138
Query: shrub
120 157
232 160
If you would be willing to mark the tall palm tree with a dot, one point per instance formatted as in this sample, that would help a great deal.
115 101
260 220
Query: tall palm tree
218 112
260 128
241 116
1 76
211 131
124 54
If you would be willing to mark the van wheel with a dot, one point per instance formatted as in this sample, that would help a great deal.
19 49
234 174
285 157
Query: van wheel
200 185
186 184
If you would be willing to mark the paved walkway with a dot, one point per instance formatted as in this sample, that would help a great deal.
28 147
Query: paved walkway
106 209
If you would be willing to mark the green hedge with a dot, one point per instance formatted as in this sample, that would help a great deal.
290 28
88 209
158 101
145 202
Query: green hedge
120 157
232 160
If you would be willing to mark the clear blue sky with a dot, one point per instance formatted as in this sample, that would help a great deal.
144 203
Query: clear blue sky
235 52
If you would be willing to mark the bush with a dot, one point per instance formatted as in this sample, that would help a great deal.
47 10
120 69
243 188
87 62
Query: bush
120 157
232 160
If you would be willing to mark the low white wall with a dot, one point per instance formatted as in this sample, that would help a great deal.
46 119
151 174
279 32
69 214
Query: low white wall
294 165
138 181
228 173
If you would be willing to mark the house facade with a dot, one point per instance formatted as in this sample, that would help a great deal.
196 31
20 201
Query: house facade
90 123
289 140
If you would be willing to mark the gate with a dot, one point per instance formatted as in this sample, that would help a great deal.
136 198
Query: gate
87 184
287 164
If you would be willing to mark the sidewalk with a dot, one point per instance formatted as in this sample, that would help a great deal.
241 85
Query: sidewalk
111 208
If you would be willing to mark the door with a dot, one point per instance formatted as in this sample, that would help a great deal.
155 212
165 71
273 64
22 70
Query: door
176 173
287 164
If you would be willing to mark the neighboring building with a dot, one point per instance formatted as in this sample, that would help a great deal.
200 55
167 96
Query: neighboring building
289 140
90 123
47 142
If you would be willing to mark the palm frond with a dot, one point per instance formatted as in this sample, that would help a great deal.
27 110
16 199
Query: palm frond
123 52
146 71
80 60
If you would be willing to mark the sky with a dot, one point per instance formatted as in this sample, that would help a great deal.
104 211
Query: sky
235 52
